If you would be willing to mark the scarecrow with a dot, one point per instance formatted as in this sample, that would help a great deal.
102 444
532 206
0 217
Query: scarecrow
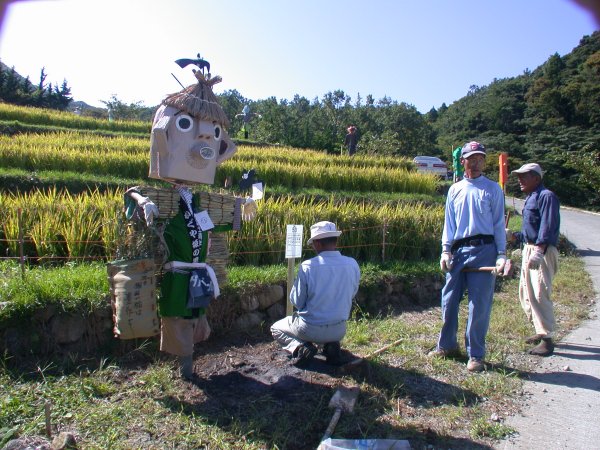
247 117
189 140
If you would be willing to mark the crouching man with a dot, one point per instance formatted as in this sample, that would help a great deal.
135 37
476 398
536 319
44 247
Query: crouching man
322 295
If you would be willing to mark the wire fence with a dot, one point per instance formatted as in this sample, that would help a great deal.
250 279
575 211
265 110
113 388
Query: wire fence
242 249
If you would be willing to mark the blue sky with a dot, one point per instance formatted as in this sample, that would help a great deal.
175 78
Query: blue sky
422 52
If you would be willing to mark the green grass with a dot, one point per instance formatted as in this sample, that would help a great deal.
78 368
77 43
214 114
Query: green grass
73 287
407 395
84 286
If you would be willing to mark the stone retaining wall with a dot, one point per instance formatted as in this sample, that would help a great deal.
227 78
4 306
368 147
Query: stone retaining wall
51 332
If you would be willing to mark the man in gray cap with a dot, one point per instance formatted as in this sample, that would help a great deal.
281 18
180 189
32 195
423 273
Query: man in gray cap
473 237
322 295
539 234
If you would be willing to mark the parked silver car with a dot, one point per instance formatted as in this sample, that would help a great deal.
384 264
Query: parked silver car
431 164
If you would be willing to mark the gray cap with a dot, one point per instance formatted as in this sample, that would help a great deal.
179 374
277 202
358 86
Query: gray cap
530 167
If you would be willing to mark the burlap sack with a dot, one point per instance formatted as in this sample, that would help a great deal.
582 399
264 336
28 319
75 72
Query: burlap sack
133 298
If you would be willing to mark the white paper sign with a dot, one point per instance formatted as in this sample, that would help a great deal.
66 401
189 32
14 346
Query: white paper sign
293 241
203 221
257 191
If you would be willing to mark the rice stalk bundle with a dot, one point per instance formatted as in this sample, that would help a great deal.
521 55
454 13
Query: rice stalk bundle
218 256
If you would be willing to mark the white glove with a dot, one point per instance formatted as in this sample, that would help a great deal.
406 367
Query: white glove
446 262
535 259
500 263
249 209
150 210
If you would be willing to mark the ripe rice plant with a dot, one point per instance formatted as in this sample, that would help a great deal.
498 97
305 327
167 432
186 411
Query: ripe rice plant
91 224
298 176
41 116
256 156
59 224
128 158
409 231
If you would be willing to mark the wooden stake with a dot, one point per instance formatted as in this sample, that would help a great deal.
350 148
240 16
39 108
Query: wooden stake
289 308
21 250
48 419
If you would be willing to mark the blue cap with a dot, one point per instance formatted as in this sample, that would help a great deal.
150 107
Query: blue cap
471 148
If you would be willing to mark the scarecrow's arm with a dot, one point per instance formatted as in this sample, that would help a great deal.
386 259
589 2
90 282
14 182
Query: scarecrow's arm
148 206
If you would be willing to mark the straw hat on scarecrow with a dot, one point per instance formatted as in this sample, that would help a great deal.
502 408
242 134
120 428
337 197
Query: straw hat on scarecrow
199 101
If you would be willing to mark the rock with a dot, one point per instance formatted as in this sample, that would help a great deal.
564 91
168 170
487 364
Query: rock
271 295
397 287
495 418
67 328
249 303
249 320
14 341
567 369
276 311
105 313
45 314
389 288
27 443
64 441
438 285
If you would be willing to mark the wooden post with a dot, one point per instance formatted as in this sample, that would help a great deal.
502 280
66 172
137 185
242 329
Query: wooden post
383 233
289 308
21 249
47 407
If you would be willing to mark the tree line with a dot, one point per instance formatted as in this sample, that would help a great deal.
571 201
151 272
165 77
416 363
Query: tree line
550 115
20 90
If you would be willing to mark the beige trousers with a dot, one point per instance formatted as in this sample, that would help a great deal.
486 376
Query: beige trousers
535 290
178 335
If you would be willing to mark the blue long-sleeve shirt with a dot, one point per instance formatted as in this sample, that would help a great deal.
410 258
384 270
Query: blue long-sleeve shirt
541 218
474 206
325 287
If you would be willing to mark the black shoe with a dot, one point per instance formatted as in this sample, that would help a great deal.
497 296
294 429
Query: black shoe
304 353
544 348
333 353
535 339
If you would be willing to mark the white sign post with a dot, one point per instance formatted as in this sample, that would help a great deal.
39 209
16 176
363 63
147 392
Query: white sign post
293 250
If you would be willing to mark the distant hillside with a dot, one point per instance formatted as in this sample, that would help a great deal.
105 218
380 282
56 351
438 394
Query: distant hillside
550 115
5 68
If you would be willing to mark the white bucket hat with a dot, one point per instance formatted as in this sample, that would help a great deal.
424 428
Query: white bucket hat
322 230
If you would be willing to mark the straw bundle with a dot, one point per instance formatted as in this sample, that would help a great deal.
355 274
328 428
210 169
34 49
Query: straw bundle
221 207
218 256
199 100
165 199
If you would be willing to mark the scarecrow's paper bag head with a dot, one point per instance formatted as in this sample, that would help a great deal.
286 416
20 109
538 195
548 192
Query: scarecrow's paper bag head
189 139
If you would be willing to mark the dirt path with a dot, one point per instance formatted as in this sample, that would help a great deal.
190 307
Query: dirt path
563 406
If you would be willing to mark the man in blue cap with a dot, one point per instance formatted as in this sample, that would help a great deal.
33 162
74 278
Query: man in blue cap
473 237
